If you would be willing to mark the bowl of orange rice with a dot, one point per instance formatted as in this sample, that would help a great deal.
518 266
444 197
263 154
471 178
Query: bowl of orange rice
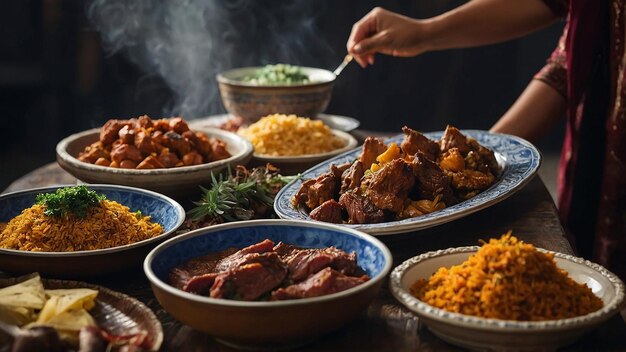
507 295
114 235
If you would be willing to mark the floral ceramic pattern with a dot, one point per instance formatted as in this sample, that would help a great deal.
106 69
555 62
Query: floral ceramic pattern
372 256
518 158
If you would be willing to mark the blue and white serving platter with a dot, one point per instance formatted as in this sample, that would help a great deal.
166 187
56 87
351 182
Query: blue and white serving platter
518 158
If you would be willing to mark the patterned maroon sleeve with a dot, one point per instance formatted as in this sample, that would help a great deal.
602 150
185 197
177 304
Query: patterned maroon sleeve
558 7
554 73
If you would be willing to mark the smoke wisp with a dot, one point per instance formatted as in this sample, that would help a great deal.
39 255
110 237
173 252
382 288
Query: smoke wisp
187 42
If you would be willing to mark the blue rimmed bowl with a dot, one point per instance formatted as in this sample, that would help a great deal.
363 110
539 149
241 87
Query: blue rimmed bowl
162 210
277 324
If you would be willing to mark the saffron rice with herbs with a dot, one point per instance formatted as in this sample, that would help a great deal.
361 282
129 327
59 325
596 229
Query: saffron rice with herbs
110 224
510 280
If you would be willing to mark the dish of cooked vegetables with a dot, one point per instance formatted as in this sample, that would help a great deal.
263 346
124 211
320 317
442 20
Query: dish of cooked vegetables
507 279
144 143
290 135
54 315
269 271
392 182
75 219
278 74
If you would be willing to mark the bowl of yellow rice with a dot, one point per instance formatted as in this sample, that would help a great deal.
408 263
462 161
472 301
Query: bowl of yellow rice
39 233
294 143
507 295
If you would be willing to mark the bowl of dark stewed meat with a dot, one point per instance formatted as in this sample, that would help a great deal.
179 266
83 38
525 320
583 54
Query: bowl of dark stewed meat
268 283
163 155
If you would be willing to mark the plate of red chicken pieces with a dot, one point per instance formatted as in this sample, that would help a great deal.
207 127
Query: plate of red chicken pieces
411 181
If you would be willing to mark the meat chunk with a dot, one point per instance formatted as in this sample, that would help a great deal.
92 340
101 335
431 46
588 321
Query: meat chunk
176 142
416 142
430 180
372 148
168 158
218 149
143 142
471 180
241 256
303 263
476 156
351 178
151 162
389 188
360 209
329 211
312 193
123 152
325 282
251 280
178 125
453 138
93 152
110 130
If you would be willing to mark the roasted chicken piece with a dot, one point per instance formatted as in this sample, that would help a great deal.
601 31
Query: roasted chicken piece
416 142
93 153
469 182
218 149
151 162
123 152
110 130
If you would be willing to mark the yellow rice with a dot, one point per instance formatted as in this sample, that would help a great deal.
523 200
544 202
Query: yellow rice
288 135
108 225
508 279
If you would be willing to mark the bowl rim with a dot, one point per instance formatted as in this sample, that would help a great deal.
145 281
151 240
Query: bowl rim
221 78
180 211
63 154
155 281
423 309
351 143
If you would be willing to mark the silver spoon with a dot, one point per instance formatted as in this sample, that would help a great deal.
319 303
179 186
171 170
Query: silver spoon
344 63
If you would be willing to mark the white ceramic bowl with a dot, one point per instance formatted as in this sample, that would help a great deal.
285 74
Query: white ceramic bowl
178 182
493 334
291 165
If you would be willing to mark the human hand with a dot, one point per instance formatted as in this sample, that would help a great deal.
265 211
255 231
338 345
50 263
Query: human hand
386 32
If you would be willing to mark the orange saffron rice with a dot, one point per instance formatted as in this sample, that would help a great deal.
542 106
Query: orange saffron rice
510 280
110 224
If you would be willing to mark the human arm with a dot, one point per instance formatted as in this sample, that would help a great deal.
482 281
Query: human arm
537 109
478 22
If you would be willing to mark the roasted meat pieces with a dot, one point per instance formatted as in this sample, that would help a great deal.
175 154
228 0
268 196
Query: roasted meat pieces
391 182
143 143
266 271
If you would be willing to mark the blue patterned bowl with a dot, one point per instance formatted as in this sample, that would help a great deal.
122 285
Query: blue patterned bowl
162 209
267 324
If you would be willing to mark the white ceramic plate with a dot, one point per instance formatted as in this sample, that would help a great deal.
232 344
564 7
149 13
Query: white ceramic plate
336 122
493 334
177 182
518 158
291 165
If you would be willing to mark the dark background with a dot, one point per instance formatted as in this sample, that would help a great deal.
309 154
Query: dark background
56 77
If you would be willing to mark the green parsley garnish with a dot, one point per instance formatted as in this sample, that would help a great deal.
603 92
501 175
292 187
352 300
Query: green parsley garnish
76 200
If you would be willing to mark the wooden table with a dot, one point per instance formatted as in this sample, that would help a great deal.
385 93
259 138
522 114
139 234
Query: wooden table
386 325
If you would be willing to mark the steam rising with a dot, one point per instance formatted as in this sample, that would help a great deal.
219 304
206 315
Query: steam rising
187 42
